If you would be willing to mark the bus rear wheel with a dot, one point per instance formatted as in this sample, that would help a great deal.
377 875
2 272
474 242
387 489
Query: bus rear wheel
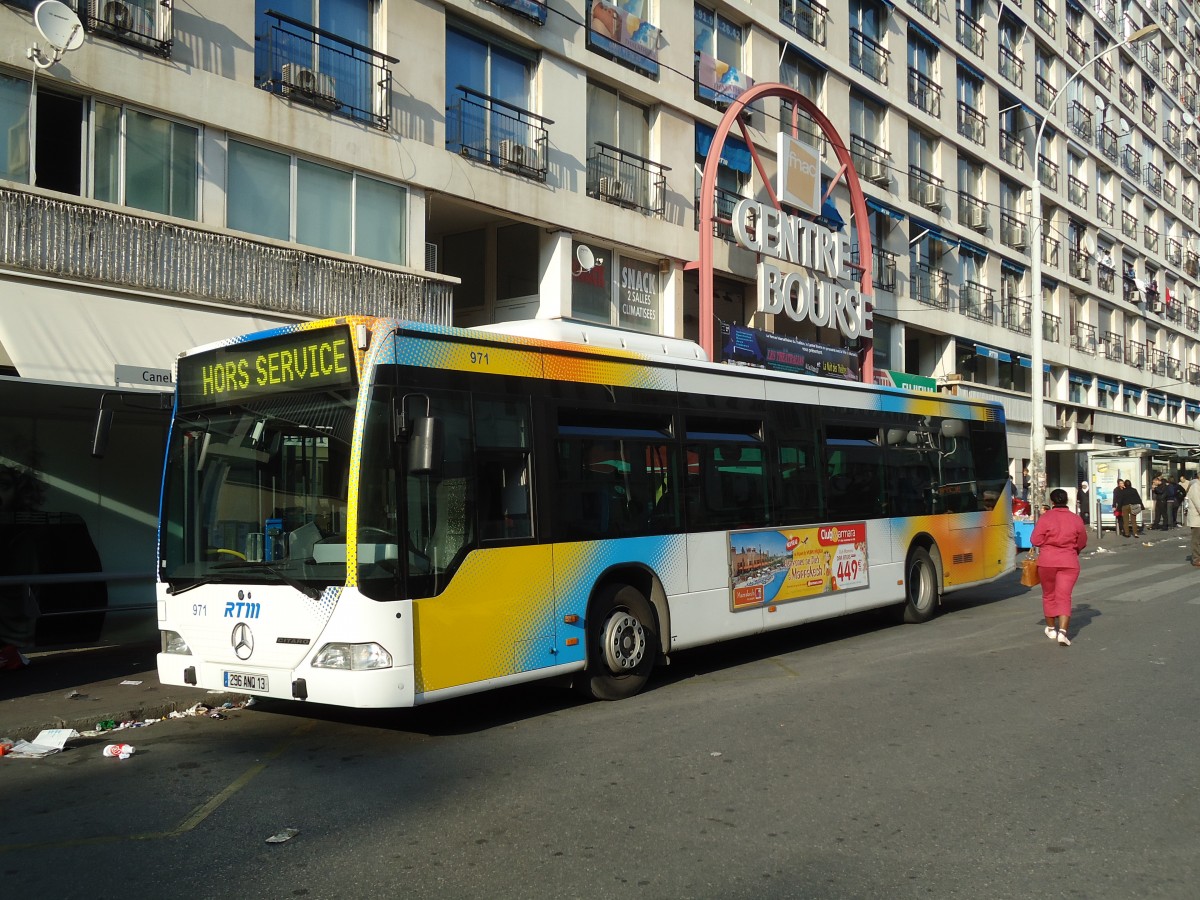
920 587
622 644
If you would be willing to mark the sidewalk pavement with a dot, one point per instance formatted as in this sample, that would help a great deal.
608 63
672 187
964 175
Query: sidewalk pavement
76 688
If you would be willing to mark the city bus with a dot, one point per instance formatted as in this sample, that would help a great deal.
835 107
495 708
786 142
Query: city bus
369 512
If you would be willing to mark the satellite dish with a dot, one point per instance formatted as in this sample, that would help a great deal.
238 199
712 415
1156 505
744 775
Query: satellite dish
59 25
1088 246
583 253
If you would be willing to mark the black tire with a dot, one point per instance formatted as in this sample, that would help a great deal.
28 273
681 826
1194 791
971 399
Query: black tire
920 587
622 644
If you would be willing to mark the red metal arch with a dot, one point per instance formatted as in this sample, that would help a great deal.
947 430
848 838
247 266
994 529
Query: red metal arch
708 184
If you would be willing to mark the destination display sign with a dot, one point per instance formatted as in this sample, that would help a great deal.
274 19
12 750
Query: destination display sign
300 361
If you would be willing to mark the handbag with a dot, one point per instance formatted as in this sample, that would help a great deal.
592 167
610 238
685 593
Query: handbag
1135 509
1029 571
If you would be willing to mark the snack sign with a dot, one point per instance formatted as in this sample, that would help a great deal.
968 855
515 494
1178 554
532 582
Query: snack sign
796 563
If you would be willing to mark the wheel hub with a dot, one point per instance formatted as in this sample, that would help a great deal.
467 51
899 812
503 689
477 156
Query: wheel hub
624 642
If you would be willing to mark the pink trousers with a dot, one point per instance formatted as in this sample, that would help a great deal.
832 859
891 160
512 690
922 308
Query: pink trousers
1057 584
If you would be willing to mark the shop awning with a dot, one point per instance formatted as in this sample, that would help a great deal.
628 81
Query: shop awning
970 69
923 34
1193 408
1174 403
921 229
734 154
875 205
1109 387
1027 363
1156 398
1008 265
1132 392
1140 442
973 249
80 336
1079 379
992 353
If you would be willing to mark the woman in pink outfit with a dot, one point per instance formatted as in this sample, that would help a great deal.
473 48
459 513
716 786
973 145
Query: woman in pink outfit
1059 536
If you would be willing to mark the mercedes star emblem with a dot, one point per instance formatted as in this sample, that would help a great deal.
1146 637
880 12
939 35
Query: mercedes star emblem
242 640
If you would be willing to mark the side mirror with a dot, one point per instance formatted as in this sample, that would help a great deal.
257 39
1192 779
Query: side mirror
100 433
897 436
953 428
425 446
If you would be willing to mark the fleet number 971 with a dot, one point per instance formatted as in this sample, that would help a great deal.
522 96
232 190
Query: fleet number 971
479 358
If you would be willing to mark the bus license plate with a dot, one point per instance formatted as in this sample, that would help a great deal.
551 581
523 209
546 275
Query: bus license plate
245 681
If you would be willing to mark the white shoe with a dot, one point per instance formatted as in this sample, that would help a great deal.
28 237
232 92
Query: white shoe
1051 632
1063 640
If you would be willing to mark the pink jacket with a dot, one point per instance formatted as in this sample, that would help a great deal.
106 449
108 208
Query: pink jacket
1059 535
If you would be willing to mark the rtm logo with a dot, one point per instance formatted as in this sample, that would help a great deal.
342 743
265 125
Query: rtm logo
237 609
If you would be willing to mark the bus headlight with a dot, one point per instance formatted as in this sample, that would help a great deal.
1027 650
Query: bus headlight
355 657
173 642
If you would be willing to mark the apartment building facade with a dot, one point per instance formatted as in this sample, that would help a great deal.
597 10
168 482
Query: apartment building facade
189 172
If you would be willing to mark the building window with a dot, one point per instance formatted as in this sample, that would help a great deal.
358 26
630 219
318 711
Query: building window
333 209
135 159
720 76
617 121
617 290
809 80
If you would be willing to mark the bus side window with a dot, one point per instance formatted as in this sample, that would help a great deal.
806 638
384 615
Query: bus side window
854 461
502 439
800 497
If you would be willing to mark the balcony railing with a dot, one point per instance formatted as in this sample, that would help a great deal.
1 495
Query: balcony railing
1151 56
488 130
1191 264
1051 325
1012 69
310 65
1189 152
146 24
625 179
976 301
1193 374
1043 91
1152 177
1135 354
1084 337
925 188
1013 232
1079 120
1150 238
1045 16
883 271
1171 135
972 213
929 285
1104 73
1077 191
1149 115
1129 224
872 162
868 56
1156 361
924 93
42 236
1048 172
1187 206
1106 278
1128 95
1169 191
1077 46
1050 247
806 17
1018 315
1171 78
1131 161
1080 265
928 7
1106 140
1012 149
969 33
1113 346
723 205
1105 210
1193 319
972 124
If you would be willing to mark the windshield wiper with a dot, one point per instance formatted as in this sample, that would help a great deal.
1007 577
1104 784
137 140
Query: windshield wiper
174 591
287 579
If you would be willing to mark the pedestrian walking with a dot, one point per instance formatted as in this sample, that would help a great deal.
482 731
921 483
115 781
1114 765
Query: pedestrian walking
1191 502
1174 499
1059 536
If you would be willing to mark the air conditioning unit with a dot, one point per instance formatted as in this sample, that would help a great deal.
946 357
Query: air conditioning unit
873 170
930 195
515 155
1014 236
979 217
303 83
615 190
1156 307
117 15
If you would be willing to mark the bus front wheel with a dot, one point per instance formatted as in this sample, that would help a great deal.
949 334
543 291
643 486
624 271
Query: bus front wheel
622 644
920 587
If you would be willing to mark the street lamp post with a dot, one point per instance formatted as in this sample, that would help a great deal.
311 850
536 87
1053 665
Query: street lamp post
1037 421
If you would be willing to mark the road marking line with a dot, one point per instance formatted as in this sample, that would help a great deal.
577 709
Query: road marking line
190 821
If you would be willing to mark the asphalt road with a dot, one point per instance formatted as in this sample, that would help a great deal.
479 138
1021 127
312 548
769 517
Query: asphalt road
969 757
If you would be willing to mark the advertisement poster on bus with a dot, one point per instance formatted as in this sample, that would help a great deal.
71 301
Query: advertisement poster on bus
796 563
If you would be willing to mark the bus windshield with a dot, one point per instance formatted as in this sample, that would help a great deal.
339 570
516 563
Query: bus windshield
257 491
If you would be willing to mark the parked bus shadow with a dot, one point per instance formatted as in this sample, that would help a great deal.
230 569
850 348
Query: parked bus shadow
510 705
